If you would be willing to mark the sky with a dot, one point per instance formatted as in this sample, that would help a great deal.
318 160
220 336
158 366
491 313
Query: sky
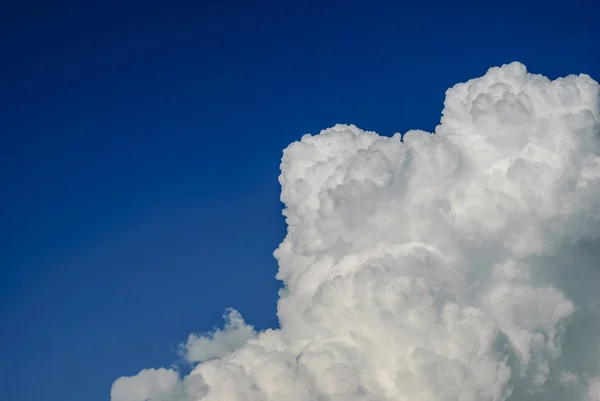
141 144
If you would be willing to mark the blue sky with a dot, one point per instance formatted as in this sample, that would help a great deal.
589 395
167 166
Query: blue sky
140 146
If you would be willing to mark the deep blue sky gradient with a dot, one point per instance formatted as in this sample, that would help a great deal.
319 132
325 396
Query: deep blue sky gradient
140 146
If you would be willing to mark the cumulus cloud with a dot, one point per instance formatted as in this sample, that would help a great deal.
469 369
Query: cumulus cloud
203 347
457 265
148 384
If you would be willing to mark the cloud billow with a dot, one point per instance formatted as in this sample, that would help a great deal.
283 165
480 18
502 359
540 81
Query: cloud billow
460 265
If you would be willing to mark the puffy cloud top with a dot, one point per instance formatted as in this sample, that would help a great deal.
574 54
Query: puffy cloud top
459 265
200 348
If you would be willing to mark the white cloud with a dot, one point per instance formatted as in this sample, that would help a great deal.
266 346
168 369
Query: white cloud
457 266
200 348
149 384
593 393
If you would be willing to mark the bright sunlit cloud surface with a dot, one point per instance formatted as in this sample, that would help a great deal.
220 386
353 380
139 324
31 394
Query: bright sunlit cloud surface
459 265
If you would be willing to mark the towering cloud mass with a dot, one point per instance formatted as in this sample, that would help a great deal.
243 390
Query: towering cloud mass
462 265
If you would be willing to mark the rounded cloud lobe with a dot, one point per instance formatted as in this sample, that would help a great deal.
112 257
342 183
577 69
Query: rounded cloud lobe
460 265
